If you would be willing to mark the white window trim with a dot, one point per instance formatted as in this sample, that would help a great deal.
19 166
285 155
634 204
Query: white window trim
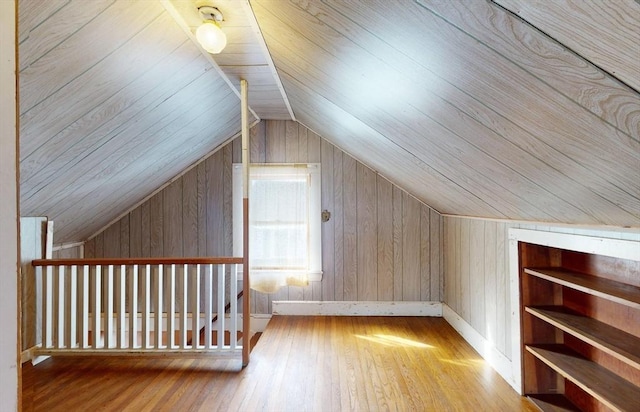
315 240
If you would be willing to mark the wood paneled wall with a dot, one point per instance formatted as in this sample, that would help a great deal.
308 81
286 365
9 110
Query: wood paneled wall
75 252
476 272
381 244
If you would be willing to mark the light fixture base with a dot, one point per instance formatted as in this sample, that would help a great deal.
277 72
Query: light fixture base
210 13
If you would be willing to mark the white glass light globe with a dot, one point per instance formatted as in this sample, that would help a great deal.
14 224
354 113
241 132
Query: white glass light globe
211 37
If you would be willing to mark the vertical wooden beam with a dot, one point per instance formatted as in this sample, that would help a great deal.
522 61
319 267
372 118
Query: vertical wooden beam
246 315
10 369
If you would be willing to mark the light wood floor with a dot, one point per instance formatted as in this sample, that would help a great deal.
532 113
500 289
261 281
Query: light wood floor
299 364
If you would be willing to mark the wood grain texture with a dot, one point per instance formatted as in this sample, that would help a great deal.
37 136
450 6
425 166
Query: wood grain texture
350 228
338 224
484 127
172 238
437 255
504 109
489 269
190 227
366 223
464 256
477 279
328 228
398 261
410 248
85 114
617 23
425 253
363 243
358 363
74 252
565 71
385 239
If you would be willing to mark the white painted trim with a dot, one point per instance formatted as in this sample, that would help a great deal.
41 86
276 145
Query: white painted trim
63 246
259 322
355 308
568 226
514 298
485 348
28 355
265 51
622 249
180 20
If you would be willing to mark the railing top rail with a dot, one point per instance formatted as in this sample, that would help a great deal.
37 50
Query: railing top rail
220 260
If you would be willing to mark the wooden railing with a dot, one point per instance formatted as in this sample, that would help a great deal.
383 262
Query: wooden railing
141 306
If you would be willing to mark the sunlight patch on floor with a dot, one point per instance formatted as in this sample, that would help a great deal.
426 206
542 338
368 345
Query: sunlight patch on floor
475 363
396 341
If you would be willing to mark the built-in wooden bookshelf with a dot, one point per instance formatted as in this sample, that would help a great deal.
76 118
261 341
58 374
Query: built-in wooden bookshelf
580 315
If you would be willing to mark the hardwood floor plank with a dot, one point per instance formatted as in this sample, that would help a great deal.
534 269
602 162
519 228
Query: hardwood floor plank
300 363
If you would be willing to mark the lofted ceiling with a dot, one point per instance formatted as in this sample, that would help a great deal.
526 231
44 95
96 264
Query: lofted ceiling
515 109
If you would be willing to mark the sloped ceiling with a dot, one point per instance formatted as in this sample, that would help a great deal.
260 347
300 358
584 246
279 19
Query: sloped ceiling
469 107
509 109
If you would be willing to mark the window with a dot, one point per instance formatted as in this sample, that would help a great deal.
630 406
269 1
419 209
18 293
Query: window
284 224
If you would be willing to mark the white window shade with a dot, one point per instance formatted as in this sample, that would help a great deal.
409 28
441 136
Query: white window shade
284 224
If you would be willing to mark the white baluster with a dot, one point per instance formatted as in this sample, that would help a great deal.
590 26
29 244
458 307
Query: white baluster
84 311
221 301
171 327
71 318
184 307
158 292
108 328
208 306
233 298
195 309
47 307
97 307
122 300
147 307
133 307
60 309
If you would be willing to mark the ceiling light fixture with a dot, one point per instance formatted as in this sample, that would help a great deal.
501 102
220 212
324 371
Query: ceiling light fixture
209 34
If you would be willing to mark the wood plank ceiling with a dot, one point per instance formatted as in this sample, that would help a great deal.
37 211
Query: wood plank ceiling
467 106
508 109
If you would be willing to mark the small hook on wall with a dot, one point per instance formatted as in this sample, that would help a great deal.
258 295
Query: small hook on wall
326 215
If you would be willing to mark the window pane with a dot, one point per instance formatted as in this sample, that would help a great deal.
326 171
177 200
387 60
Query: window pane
279 218
277 246
279 200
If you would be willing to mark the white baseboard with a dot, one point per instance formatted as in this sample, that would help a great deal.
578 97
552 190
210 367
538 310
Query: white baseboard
486 349
354 308
259 323
28 355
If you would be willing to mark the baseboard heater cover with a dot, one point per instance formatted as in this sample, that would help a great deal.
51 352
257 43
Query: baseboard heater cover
356 308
